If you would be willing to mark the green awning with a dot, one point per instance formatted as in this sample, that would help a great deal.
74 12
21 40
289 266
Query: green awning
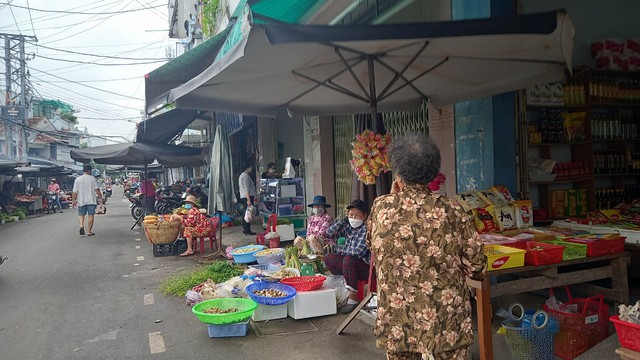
180 70
190 64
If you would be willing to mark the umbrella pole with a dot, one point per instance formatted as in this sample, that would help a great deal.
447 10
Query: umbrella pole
373 99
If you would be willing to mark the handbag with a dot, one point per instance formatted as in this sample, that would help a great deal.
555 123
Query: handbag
101 209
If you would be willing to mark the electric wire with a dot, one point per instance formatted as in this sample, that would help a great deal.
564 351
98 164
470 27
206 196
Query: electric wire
88 13
14 17
88 86
103 64
50 17
100 56
31 20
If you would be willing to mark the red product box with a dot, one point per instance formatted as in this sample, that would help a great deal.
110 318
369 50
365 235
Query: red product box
538 253
598 245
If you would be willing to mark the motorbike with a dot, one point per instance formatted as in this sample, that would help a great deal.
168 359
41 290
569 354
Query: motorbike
166 203
52 202
108 191
136 207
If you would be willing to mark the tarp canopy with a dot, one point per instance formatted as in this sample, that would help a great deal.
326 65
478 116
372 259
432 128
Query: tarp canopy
166 127
140 154
268 67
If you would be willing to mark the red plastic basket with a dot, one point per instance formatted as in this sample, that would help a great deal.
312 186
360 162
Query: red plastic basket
539 253
580 331
628 333
305 283
600 245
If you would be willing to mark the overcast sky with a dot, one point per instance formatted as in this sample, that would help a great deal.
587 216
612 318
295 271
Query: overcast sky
111 29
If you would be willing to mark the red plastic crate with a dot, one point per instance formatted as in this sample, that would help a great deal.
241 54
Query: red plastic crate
598 245
538 253
628 333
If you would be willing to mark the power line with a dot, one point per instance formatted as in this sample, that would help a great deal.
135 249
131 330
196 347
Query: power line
87 13
91 81
14 17
89 86
103 64
96 99
101 56
31 19
50 17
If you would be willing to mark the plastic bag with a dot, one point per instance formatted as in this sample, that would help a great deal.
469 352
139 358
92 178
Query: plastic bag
271 235
193 297
101 209
248 214
338 283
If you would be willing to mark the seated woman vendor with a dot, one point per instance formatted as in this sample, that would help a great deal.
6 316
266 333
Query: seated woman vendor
318 224
352 258
195 223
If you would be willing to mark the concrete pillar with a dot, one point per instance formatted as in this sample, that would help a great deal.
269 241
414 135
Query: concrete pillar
319 160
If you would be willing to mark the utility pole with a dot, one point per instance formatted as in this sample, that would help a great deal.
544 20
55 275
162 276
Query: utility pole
13 113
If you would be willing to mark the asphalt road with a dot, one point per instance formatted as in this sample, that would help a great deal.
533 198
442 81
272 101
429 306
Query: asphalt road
66 296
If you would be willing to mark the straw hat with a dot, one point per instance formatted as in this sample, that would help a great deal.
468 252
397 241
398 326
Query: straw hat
190 199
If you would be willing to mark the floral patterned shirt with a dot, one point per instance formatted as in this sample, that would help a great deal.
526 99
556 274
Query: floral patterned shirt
318 225
195 219
424 246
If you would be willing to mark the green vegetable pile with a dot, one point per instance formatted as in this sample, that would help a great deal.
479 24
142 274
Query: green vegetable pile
219 271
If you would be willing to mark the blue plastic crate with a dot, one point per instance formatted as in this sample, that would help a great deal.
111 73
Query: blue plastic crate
228 330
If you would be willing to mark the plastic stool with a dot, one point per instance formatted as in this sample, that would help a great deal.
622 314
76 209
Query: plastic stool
212 236
373 283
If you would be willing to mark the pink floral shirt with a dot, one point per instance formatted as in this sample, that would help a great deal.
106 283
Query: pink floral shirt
317 225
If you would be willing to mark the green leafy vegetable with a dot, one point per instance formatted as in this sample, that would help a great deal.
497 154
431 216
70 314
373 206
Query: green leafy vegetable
219 271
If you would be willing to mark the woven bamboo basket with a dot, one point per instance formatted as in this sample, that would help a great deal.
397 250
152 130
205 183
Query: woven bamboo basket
157 234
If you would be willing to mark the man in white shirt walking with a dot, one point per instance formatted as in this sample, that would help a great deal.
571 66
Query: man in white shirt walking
85 191
247 194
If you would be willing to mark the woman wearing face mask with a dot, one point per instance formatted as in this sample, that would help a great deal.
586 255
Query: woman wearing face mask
195 223
351 259
318 223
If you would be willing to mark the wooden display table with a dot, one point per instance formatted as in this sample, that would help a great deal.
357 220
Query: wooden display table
531 278
626 354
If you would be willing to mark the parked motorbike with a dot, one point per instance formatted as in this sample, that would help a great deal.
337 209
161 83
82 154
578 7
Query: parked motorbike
166 203
136 207
52 202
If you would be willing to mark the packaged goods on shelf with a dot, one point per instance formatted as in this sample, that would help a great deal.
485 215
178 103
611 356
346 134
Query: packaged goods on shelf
470 200
523 213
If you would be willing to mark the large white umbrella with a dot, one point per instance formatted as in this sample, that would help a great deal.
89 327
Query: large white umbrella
267 67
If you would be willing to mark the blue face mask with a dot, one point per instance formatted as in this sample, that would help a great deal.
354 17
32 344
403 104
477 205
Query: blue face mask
187 206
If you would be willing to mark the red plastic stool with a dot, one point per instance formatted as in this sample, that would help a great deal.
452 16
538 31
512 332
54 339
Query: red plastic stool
373 283
271 226
212 236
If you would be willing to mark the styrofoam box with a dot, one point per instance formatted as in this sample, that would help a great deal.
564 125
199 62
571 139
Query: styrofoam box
269 312
307 304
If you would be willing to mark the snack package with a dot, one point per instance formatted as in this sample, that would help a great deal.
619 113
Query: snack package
470 200
524 213
502 192
558 204
483 219
505 217
490 197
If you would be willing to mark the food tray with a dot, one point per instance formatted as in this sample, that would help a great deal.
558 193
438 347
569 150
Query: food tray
305 283
228 330
598 245
246 308
251 288
538 253
265 267
571 250
503 257
241 255
628 333
269 258
490 239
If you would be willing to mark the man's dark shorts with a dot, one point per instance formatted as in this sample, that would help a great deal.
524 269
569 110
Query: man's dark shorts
87 210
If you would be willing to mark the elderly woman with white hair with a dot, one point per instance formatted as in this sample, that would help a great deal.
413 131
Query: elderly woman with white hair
424 246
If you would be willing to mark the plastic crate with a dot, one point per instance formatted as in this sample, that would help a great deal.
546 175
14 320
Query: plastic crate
538 253
598 245
571 251
628 333
503 257
178 247
228 330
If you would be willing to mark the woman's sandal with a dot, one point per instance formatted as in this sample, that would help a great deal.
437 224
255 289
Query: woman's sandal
186 253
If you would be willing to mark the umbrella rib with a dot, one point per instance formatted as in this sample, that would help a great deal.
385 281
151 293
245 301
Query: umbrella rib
410 82
327 83
349 67
399 74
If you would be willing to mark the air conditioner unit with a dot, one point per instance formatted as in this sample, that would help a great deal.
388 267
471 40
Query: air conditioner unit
187 10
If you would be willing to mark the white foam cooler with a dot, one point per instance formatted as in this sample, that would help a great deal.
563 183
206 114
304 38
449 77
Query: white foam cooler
307 304
269 312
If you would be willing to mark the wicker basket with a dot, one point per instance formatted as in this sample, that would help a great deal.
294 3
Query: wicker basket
162 235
